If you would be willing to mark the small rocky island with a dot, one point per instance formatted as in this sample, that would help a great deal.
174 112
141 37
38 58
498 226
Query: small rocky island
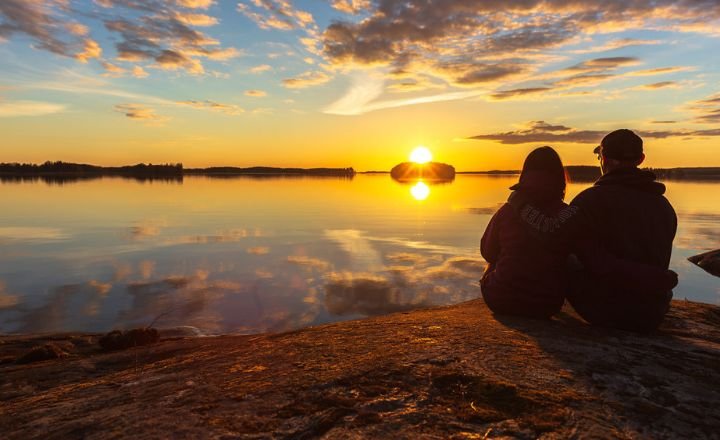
430 171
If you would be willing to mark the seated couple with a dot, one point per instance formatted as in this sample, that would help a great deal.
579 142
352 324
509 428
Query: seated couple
607 252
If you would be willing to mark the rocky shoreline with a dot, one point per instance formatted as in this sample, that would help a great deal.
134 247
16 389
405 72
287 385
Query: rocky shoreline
447 372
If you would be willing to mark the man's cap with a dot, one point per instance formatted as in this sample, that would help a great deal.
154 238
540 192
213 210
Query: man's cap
621 144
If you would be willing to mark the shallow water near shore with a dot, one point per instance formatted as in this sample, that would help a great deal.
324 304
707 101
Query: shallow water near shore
243 255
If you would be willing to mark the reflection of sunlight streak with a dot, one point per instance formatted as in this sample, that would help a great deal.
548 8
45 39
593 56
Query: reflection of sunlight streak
363 255
420 191
366 86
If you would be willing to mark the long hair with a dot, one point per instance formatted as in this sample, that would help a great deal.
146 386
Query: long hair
543 176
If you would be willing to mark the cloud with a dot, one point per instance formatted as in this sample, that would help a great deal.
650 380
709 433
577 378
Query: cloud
276 14
394 103
350 6
619 44
193 19
659 71
10 109
366 87
142 113
475 44
261 68
661 85
229 109
42 21
255 93
195 4
707 110
512 93
542 132
307 79
164 34
139 72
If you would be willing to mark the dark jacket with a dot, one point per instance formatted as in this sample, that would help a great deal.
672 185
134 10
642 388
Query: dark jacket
627 212
524 275
622 229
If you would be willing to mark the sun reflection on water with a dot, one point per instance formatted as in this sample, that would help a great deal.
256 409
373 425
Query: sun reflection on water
420 191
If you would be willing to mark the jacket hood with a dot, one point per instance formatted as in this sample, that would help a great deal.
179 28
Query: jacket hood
641 180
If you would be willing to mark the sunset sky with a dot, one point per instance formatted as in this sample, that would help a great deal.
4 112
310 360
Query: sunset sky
356 82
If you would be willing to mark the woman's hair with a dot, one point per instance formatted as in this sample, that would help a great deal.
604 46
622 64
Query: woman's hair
543 176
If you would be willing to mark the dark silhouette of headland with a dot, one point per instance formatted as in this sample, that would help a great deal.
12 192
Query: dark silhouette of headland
59 172
65 172
430 171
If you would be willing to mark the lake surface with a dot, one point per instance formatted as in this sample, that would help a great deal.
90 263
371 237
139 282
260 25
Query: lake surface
246 255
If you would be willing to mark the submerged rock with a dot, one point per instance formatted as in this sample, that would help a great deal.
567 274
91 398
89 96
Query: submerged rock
120 340
708 261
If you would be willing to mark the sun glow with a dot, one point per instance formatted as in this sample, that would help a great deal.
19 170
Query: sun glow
420 191
420 155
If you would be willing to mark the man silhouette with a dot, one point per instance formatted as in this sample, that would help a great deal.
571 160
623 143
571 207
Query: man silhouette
621 230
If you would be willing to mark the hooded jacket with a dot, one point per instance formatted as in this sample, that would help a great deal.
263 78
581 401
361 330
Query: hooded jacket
622 228
525 276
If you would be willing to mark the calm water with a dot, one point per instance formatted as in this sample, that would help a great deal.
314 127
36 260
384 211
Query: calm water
244 255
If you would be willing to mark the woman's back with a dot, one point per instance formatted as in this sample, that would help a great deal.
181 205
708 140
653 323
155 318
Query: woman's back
526 276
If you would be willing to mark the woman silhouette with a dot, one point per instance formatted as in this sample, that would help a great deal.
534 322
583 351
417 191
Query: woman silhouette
526 276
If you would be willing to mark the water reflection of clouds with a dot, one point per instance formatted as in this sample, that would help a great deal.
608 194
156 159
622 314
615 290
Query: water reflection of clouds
147 228
258 250
7 300
399 288
31 233
698 231
65 304
363 256
308 262
177 300
228 236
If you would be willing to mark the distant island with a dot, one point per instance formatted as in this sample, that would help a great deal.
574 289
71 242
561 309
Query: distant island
65 172
430 171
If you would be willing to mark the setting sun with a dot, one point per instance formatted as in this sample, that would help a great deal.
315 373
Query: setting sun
420 155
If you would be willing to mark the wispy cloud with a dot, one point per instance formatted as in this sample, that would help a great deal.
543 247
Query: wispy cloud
307 79
140 112
542 132
229 109
366 86
255 93
618 43
10 109
260 68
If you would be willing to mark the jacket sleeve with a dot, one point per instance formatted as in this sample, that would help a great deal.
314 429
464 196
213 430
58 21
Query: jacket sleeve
490 242
564 227
623 274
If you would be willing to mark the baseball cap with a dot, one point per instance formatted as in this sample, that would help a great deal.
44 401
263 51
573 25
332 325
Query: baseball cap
621 144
